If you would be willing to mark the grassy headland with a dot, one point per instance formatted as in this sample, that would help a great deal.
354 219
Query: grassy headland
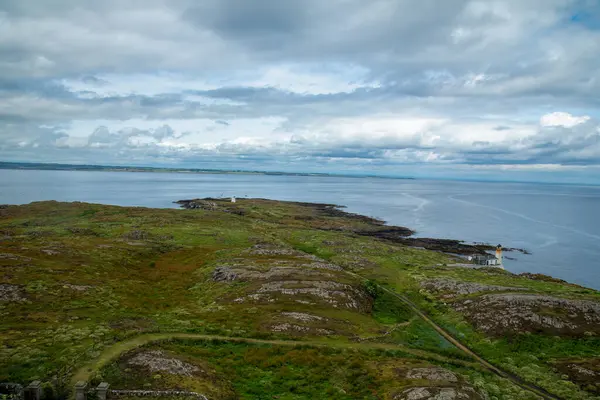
78 280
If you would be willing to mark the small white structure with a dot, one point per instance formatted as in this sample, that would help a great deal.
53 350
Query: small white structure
233 199
484 259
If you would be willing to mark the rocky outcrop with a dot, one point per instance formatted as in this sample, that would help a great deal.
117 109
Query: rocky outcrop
304 317
11 293
282 274
77 288
158 361
198 204
294 328
439 393
453 287
504 314
224 274
277 251
584 372
432 374
337 294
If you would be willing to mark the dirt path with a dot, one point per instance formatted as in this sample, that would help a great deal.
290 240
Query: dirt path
117 349
543 393
113 352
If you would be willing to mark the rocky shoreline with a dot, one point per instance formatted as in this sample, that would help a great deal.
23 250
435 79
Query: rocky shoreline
374 227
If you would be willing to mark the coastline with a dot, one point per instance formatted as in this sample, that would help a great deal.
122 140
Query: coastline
381 230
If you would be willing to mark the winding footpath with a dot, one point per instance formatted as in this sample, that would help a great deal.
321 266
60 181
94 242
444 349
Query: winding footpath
543 393
113 352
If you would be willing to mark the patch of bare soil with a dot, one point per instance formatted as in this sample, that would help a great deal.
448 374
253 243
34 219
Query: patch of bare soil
452 287
506 314
158 361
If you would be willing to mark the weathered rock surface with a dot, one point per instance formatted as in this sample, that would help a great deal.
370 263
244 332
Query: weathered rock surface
302 316
224 274
158 361
11 293
501 314
77 288
291 328
585 373
198 204
271 250
432 374
439 393
335 293
463 288
233 272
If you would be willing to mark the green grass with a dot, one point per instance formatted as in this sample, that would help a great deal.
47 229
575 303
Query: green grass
263 371
149 271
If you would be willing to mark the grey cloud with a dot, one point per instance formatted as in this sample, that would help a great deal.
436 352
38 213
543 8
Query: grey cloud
507 62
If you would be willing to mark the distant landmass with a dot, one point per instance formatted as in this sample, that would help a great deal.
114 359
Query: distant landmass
120 168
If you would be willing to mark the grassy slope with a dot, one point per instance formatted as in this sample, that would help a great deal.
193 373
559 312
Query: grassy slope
149 271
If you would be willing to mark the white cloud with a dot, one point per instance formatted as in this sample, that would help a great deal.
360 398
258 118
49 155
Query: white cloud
562 119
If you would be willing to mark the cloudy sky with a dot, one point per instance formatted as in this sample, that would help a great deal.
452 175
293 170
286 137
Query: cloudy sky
505 89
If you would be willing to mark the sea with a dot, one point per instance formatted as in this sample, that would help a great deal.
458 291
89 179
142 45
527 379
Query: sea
558 224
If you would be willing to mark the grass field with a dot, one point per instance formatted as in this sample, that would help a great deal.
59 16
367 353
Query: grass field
77 279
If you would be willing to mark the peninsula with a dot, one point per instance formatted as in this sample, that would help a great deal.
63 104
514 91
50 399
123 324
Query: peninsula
263 299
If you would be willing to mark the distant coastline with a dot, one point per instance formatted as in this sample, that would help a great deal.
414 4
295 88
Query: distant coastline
121 168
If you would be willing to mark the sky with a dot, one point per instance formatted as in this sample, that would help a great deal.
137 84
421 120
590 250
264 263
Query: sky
461 89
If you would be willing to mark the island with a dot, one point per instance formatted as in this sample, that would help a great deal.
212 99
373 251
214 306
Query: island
264 299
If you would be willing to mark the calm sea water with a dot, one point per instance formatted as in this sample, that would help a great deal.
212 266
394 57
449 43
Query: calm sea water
559 224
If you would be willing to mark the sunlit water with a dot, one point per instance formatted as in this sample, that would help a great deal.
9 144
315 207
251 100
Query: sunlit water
559 224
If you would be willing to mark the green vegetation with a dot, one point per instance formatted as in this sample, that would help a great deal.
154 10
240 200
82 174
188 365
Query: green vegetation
78 280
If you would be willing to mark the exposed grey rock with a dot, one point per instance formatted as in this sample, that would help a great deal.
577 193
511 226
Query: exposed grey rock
199 205
224 274
335 293
302 316
271 250
581 370
500 314
11 293
439 393
50 252
432 374
285 327
13 257
323 265
158 361
289 327
78 288
464 288
227 273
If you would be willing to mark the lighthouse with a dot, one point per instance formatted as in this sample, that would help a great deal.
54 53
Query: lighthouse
499 254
